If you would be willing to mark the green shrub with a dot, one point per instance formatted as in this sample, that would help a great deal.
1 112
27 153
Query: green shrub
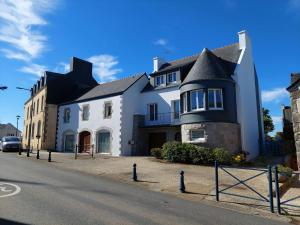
156 152
175 152
199 155
222 156
285 171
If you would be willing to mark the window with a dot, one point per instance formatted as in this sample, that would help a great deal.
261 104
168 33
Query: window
159 80
85 112
176 109
184 96
197 135
38 133
37 106
215 99
107 109
42 103
32 131
33 109
27 112
171 77
66 115
197 100
152 108
26 132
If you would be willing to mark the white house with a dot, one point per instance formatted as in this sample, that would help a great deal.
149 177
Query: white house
210 99
97 119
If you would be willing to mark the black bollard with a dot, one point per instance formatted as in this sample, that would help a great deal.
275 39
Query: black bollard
134 175
182 186
28 152
38 154
49 157
20 151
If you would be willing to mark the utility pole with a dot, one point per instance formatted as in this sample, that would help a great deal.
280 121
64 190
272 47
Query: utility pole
17 131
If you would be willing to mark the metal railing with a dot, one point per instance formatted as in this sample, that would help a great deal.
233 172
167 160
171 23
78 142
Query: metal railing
169 118
87 149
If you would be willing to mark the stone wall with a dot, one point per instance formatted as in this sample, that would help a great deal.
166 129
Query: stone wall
219 134
295 100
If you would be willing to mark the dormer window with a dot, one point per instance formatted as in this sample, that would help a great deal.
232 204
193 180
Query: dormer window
159 80
171 78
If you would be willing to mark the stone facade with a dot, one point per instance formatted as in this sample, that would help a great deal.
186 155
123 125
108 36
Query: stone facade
217 134
295 100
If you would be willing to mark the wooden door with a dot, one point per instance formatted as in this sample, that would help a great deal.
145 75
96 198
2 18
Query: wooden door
84 141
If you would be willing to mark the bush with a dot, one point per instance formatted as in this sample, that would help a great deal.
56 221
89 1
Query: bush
156 152
175 152
285 171
222 156
200 155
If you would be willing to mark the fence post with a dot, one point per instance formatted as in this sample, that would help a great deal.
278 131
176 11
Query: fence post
49 157
270 188
277 190
134 175
181 184
217 179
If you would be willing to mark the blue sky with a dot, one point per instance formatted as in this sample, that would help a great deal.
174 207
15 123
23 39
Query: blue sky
122 37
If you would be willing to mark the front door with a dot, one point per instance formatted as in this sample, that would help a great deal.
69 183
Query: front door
84 141
69 143
156 140
103 142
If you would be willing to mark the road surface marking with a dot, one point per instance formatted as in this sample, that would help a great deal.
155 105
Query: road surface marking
8 189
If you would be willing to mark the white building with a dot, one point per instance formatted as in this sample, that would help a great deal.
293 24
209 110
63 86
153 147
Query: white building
211 99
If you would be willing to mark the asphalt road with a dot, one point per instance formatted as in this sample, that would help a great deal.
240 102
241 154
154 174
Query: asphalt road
50 195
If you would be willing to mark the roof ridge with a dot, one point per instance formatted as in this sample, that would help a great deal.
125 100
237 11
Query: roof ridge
197 54
123 78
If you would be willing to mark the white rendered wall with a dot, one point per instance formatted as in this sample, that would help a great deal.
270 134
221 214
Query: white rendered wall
131 100
246 98
95 123
162 97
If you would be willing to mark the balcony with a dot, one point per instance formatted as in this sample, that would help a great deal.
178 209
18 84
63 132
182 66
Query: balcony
170 118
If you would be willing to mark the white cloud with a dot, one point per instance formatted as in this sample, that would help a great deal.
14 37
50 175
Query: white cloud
276 95
161 42
35 69
277 119
19 23
104 66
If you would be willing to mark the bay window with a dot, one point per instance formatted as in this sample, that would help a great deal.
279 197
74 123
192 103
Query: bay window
197 100
215 99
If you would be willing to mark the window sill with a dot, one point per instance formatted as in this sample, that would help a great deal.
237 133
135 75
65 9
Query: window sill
216 109
198 141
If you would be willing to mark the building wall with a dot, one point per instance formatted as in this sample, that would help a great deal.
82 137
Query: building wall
130 107
217 134
37 116
95 123
295 106
247 114
9 130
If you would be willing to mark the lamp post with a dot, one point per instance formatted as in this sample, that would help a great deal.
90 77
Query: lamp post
17 131
3 88
31 112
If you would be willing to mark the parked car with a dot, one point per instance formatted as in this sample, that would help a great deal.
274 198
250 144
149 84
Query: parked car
10 143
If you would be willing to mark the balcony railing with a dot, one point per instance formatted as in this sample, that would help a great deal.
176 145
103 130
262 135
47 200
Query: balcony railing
170 118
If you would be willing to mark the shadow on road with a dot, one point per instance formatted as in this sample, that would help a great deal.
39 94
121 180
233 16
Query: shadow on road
11 222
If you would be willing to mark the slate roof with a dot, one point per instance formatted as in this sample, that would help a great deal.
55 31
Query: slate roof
229 53
208 66
112 88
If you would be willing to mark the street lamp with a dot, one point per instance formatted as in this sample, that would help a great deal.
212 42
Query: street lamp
3 88
31 111
17 131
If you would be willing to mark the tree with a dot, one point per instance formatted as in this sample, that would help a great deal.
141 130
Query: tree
268 122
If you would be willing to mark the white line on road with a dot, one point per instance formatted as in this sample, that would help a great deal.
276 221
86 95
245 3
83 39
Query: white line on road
8 187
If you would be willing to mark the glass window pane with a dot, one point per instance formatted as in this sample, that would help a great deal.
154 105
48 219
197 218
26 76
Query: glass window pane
197 134
176 109
219 98
193 100
211 99
200 99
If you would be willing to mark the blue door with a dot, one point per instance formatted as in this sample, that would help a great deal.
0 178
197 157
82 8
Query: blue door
103 142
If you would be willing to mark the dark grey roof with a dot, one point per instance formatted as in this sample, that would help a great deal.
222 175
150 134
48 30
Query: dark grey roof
111 88
295 81
208 66
229 53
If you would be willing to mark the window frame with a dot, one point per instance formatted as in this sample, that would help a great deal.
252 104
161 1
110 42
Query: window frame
215 99
88 112
67 118
162 80
155 115
197 100
173 75
201 139
173 102
108 103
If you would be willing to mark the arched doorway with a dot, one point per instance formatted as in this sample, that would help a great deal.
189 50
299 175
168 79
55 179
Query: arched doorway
84 141
103 142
